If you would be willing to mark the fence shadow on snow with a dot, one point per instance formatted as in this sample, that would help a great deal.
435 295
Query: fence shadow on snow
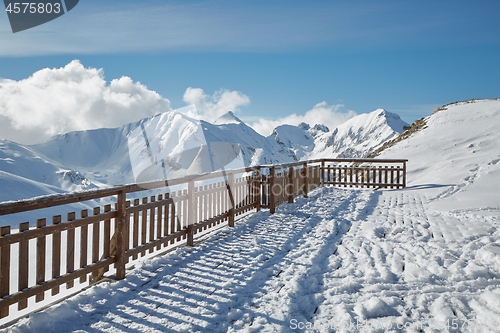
44 261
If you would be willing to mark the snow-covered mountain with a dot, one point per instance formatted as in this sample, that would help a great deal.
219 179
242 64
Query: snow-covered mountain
294 139
171 145
420 259
358 136
457 155
355 138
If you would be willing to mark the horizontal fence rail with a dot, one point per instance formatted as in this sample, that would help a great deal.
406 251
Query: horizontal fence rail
43 259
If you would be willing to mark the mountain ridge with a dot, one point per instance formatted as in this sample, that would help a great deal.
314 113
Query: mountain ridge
171 145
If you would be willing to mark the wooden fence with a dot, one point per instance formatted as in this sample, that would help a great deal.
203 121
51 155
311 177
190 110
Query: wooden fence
43 257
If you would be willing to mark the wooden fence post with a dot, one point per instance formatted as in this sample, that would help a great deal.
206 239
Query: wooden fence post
56 253
84 234
272 201
305 176
258 189
322 173
351 175
404 174
120 225
191 213
24 264
230 188
70 252
152 218
4 271
40 259
95 243
386 176
290 185
392 176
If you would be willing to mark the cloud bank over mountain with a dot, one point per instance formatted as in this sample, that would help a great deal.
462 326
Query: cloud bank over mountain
210 108
321 113
73 98
70 98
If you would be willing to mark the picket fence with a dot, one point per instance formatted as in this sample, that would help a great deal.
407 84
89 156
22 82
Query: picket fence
40 259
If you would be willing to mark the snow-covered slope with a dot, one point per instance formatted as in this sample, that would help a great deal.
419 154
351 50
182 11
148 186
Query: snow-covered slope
295 139
168 145
255 148
458 154
101 155
228 118
24 173
358 136
355 138
172 145
421 259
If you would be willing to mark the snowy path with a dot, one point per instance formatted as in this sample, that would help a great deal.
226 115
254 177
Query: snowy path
343 260
406 267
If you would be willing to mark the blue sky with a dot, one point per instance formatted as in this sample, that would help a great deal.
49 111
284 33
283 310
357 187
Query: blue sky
405 56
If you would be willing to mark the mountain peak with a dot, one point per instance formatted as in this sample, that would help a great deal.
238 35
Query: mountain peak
304 126
172 144
228 118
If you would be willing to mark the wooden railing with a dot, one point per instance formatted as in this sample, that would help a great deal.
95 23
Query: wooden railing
42 258
371 173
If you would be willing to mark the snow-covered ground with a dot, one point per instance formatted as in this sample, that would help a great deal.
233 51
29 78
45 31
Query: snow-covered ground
351 260
422 259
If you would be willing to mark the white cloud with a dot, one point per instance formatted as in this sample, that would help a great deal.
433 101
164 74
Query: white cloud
59 100
212 107
321 113
73 97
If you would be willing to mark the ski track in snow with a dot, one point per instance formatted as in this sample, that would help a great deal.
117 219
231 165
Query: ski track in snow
343 260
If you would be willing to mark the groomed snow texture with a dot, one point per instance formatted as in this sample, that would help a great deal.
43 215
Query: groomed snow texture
422 259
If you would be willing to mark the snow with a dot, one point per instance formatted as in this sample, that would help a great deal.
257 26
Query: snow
355 138
227 118
358 136
342 259
171 145
422 259
425 258
294 139
457 155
